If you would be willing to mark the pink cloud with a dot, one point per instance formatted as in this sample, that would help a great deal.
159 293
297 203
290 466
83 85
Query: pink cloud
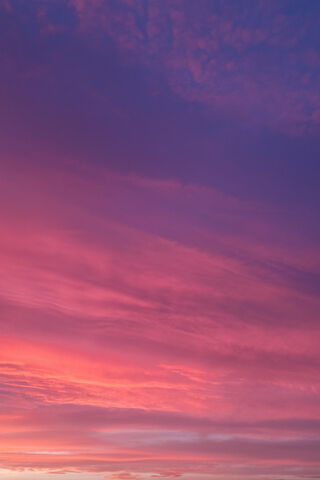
125 349
155 328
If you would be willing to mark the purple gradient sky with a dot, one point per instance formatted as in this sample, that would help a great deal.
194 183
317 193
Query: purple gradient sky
159 247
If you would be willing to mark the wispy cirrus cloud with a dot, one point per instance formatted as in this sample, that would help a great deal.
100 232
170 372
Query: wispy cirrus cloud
107 358
159 288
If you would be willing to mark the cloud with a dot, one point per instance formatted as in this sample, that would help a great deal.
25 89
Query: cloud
139 352
151 327
252 63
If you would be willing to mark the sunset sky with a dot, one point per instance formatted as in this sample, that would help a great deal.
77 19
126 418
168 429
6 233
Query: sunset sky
159 246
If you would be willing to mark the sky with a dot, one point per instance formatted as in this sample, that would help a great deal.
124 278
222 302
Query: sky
159 246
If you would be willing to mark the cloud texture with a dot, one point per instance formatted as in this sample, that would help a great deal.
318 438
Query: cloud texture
160 269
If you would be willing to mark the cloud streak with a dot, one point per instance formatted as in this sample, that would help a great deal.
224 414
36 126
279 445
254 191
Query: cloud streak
130 346
159 247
